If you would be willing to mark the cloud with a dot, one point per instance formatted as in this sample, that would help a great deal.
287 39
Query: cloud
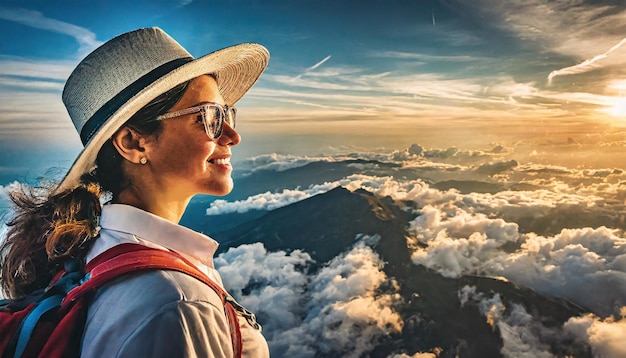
606 337
5 189
54 70
360 85
280 281
85 38
591 27
488 234
382 186
312 68
276 162
585 66
579 31
18 117
423 57
522 334
462 234
40 81
490 166
461 237
6 207
5 200
539 237
572 264
318 64
30 85
412 156
334 311
421 99
463 245
267 200
499 167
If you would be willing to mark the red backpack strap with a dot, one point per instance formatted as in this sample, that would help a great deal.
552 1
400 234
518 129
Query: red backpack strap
126 258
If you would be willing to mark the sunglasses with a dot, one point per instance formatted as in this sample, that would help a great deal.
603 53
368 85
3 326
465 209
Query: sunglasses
213 117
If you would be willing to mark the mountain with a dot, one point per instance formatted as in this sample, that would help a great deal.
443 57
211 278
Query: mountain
312 173
326 225
331 223
266 181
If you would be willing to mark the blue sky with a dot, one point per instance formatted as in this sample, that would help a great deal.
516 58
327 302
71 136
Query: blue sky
347 74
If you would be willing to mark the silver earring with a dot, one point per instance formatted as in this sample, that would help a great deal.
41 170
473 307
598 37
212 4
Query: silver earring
143 160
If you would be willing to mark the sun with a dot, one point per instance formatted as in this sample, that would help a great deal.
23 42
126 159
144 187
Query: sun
619 108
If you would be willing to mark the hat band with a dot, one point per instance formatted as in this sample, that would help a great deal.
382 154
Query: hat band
97 120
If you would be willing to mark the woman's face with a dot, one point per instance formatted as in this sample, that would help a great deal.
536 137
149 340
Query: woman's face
182 158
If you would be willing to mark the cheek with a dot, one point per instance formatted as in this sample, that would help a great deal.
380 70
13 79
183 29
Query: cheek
191 155
185 153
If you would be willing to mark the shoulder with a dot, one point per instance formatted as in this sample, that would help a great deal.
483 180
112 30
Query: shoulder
144 293
147 305
157 287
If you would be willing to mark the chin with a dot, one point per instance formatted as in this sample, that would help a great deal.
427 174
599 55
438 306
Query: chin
220 190
222 193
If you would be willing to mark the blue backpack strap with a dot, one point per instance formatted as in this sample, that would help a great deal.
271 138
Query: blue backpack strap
50 300
29 323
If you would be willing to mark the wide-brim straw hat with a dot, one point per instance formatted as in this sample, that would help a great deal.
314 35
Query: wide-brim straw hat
124 74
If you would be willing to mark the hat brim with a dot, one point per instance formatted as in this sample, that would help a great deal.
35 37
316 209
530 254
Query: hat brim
236 68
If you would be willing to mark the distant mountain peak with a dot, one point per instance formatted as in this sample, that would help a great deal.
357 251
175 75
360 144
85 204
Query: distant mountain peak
323 225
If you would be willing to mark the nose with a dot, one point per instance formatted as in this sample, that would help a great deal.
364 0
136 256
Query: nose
229 136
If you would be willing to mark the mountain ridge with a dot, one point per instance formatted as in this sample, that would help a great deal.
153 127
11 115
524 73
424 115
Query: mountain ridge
326 225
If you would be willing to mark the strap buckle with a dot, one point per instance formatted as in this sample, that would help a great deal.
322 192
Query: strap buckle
249 316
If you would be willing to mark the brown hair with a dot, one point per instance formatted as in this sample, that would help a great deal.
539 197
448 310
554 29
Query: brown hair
47 228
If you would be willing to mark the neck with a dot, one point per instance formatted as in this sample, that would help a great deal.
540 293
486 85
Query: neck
169 208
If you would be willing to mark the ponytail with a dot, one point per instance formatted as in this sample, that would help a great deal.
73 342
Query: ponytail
47 229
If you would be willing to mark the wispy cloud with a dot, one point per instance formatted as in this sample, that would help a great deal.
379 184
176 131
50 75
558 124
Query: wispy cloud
419 95
312 68
318 64
26 67
29 84
584 66
24 81
36 19
591 28
474 85
302 108
423 57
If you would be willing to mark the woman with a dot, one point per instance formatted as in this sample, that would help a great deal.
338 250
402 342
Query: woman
158 127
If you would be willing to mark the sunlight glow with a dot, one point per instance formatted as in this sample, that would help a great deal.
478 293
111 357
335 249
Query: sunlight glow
619 108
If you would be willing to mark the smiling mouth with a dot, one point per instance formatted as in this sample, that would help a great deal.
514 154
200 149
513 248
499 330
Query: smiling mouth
220 161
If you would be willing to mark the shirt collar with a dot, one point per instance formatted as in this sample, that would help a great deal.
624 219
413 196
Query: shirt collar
149 227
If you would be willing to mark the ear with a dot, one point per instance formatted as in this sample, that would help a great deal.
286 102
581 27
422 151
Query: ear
130 144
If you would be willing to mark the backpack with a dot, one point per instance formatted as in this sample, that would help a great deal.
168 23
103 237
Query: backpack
50 323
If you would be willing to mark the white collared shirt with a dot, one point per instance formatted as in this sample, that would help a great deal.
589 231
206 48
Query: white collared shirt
122 224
